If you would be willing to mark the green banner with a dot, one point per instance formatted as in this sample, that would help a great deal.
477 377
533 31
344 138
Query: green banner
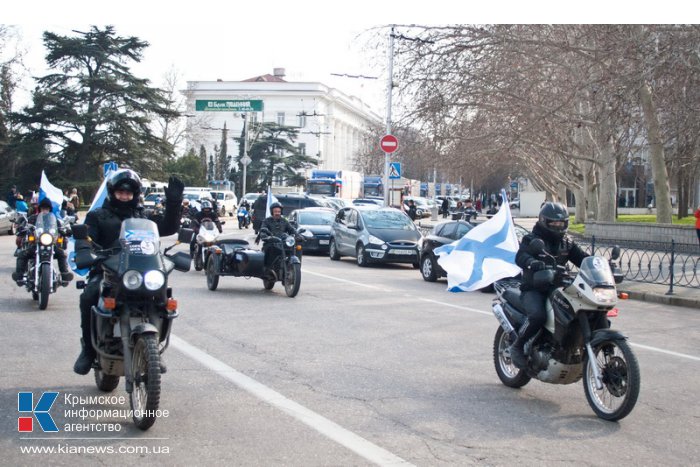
229 106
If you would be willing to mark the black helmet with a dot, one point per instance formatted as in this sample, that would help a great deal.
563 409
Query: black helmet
554 212
206 204
126 180
45 203
275 205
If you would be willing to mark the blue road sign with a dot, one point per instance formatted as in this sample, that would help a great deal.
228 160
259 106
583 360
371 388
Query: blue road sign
110 166
394 170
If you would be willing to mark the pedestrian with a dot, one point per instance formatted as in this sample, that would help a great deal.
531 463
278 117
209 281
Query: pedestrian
12 196
445 207
697 222
412 211
478 204
75 199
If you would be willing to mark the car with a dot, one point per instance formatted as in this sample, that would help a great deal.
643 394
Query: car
374 235
422 205
368 201
250 198
152 199
196 197
226 201
337 203
7 218
443 234
318 222
258 210
292 201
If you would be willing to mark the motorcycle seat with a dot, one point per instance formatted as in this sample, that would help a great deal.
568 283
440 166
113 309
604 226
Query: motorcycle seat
233 241
512 296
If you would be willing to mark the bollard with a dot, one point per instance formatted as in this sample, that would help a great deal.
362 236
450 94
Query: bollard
673 259
593 245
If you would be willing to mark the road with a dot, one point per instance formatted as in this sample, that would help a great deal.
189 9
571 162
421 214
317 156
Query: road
364 366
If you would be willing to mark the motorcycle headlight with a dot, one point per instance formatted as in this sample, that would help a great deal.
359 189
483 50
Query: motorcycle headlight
154 280
289 241
46 239
375 240
132 280
605 294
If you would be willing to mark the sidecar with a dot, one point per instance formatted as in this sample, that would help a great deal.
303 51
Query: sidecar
233 257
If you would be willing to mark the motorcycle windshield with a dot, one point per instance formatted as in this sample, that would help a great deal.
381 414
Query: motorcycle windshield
208 224
46 222
139 237
596 272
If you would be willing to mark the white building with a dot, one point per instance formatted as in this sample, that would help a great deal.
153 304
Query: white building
332 125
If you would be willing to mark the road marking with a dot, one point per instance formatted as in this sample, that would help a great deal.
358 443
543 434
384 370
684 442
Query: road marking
482 312
326 427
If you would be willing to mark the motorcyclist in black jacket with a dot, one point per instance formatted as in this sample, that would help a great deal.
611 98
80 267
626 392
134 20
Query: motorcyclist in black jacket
274 226
551 228
104 225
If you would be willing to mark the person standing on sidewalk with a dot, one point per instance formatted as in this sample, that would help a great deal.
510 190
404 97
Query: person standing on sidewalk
697 222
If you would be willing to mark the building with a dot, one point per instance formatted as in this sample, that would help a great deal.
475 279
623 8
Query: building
332 125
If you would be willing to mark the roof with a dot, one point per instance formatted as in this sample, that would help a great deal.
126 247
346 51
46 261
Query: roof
265 78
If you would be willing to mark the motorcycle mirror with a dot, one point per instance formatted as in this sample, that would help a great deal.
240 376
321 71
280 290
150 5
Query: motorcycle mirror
615 253
80 231
223 222
536 246
185 236
181 260
305 233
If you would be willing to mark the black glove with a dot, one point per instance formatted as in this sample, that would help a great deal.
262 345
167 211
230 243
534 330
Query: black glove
173 192
536 265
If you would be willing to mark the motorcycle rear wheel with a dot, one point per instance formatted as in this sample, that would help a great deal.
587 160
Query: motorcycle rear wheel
198 266
145 369
621 380
509 374
44 286
292 280
107 383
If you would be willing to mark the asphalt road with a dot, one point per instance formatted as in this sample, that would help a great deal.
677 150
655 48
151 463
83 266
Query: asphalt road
364 366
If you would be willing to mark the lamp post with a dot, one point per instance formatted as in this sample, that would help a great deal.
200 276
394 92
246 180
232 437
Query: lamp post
390 87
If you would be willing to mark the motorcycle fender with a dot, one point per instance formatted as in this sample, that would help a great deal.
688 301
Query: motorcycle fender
602 335
142 328
294 260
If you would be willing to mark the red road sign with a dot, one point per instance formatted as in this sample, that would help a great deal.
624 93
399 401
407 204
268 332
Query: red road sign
389 143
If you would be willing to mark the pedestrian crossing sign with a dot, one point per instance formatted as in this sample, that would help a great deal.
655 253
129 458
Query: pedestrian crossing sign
394 170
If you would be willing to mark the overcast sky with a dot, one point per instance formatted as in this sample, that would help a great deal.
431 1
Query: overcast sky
311 39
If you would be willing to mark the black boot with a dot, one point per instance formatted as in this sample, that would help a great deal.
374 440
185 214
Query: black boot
83 364
163 366
517 351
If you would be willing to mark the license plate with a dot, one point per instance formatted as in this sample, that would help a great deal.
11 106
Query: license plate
402 252
323 242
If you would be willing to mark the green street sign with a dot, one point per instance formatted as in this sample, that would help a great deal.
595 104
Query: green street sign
229 106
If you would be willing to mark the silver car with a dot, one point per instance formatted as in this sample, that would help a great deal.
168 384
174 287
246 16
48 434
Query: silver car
374 235
7 217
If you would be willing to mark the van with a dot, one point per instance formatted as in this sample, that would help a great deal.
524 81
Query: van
226 201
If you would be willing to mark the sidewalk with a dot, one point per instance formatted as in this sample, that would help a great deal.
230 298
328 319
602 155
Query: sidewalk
656 293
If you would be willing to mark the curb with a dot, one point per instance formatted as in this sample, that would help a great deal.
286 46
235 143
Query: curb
672 300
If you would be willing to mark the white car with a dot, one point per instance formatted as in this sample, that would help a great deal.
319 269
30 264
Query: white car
226 201
7 217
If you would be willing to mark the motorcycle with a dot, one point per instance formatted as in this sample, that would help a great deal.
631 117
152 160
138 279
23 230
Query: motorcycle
132 321
206 237
576 341
243 218
42 277
232 257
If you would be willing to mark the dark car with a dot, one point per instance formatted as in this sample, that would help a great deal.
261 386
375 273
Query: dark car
258 211
291 202
374 235
317 221
443 234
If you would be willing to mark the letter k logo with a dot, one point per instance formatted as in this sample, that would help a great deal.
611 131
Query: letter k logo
25 403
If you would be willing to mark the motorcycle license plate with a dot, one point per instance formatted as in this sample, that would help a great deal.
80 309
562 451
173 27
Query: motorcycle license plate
402 252
323 242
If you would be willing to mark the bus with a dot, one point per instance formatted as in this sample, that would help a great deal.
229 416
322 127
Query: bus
344 184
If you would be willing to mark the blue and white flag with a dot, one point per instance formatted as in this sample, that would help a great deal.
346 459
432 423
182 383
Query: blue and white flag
484 255
55 195
269 202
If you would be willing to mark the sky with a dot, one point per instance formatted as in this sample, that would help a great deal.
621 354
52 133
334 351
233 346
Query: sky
311 39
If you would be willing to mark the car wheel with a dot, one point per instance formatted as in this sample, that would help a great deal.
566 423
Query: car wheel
361 256
333 251
427 268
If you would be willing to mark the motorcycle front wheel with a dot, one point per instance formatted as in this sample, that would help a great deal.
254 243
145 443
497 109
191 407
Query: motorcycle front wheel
509 374
621 380
145 369
212 273
292 279
198 266
44 286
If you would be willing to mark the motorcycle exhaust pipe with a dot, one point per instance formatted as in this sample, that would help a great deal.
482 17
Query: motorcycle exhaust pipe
502 318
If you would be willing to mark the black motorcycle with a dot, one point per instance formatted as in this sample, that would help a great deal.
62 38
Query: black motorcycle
233 257
132 322
38 242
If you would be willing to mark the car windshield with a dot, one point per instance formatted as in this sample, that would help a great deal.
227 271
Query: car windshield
152 197
395 220
192 196
218 195
316 218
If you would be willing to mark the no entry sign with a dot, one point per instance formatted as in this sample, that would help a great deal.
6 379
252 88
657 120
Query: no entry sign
389 143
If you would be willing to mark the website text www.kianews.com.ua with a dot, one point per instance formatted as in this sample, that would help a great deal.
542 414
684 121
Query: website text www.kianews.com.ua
66 448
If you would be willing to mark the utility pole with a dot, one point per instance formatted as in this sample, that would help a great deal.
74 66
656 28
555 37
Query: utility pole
390 87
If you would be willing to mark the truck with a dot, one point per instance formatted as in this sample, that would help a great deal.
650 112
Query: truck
372 186
344 184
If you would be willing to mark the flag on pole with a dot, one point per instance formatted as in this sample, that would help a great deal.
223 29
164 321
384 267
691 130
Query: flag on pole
484 255
269 202
55 195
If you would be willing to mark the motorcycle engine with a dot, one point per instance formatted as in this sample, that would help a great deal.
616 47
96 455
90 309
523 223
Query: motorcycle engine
540 357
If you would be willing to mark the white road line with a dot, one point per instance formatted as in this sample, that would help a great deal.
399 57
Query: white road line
482 312
326 427
359 284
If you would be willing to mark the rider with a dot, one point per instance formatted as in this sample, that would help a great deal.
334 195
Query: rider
104 225
551 228
208 212
274 226
45 207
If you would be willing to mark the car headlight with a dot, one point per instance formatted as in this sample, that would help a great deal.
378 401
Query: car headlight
154 280
289 241
375 240
46 239
605 294
132 280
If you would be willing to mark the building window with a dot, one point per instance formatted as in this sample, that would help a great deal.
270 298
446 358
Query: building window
280 118
302 149
302 121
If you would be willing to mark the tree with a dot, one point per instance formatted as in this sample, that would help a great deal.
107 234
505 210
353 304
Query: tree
93 109
10 75
188 168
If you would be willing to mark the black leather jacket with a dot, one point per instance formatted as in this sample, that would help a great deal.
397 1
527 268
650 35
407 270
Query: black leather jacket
564 249
277 227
